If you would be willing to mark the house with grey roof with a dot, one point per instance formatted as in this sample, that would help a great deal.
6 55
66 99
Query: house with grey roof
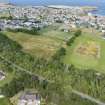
29 98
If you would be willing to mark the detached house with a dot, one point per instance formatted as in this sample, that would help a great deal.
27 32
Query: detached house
29 99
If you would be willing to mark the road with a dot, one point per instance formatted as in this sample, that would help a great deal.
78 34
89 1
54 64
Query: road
24 70
85 96
82 95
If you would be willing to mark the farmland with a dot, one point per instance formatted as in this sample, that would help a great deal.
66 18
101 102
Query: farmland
36 45
45 45
88 50
54 69
80 53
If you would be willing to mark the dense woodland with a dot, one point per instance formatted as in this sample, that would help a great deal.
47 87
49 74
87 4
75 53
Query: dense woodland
64 77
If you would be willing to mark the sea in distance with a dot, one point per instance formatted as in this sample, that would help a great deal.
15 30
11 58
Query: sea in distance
100 4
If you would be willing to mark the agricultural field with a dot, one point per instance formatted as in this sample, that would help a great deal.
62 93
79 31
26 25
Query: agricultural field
88 51
36 45
44 45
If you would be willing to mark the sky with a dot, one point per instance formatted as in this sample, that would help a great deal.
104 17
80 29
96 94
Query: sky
42 2
98 3
55 1
1 1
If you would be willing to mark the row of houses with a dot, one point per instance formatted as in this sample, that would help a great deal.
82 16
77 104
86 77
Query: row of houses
17 23
47 15
41 16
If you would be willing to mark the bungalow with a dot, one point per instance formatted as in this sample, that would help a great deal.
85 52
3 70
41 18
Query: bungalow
29 99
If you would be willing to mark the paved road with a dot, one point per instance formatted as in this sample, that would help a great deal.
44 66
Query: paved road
85 96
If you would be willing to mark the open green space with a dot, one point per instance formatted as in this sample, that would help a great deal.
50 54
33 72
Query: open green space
65 76
5 101
86 61
40 46
8 78
9 74
43 45
55 32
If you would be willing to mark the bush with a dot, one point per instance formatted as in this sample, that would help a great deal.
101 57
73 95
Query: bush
72 39
7 18
78 33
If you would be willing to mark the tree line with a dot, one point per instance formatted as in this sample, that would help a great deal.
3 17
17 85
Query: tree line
72 39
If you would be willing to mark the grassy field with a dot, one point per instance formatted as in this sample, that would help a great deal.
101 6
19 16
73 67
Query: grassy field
44 45
87 61
9 77
36 45
51 39
5 101
55 32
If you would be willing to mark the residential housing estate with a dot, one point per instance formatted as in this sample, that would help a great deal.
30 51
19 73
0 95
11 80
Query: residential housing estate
42 16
